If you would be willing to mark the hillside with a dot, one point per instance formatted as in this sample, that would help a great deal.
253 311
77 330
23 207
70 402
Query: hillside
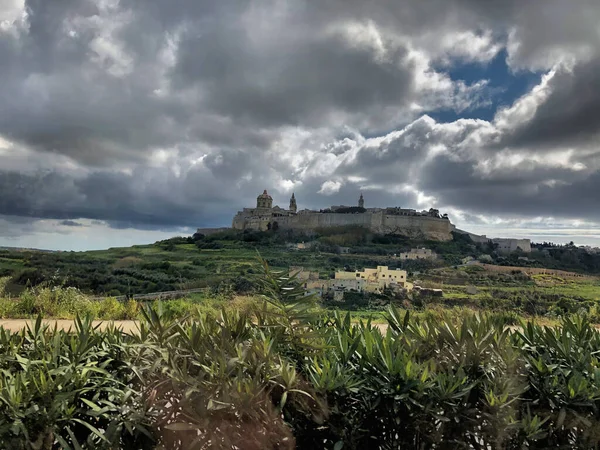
229 258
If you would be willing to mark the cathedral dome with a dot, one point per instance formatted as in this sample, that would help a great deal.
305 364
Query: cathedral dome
265 195
264 200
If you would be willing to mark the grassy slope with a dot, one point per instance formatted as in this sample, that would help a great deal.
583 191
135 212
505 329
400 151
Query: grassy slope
159 267
151 268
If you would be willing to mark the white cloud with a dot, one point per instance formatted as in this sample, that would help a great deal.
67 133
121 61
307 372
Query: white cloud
12 12
470 46
330 187
523 110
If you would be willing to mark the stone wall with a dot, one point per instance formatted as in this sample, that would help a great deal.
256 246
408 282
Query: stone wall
432 227
534 271
512 245
378 222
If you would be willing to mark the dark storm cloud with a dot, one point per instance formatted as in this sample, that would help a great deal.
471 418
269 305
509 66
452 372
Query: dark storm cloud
299 80
147 198
105 196
570 113
523 190
574 200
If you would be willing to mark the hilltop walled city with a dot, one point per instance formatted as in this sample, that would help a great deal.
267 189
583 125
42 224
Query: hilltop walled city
429 224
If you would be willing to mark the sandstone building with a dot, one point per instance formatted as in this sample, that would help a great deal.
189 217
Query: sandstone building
429 224
371 280
368 280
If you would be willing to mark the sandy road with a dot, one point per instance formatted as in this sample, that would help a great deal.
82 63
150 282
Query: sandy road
128 326
18 324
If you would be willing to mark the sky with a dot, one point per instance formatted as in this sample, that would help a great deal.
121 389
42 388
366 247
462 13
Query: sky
128 121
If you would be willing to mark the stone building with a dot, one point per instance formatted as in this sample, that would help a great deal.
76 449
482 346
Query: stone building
368 280
418 253
371 280
310 280
429 224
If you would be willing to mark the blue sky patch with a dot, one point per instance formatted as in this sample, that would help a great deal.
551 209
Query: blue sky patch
504 86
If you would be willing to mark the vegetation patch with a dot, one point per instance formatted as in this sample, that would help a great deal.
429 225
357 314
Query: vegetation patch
288 376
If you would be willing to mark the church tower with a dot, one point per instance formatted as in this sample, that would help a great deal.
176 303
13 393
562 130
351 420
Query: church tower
361 201
293 206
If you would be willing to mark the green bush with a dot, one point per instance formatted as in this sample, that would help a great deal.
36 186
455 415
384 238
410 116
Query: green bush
110 309
8 307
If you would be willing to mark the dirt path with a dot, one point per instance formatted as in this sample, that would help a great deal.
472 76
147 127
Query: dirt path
128 326
18 324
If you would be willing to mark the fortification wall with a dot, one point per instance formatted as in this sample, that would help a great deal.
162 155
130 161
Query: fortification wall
378 222
431 227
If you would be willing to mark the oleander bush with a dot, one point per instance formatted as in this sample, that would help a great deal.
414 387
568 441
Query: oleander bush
285 375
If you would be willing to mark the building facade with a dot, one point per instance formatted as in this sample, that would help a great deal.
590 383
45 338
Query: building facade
371 280
367 280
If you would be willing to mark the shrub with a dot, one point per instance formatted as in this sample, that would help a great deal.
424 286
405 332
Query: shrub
8 307
110 309
131 310
3 283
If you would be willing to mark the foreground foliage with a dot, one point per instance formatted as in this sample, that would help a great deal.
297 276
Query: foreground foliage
287 377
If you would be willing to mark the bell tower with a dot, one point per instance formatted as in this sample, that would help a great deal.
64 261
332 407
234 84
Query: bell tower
293 206
361 201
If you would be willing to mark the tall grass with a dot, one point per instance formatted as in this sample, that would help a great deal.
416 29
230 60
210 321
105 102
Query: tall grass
66 303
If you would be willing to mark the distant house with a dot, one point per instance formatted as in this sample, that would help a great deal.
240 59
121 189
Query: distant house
418 253
368 280
371 279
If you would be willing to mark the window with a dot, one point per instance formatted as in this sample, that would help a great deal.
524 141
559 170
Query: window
358 274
